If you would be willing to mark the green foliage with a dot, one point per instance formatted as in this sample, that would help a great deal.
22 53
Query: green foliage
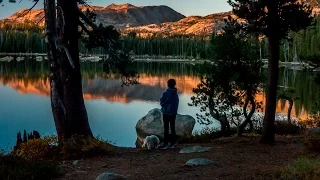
79 146
303 168
12 168
220 90
14 41
273 18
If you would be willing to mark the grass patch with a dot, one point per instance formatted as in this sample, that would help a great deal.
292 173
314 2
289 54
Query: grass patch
14 168
303 169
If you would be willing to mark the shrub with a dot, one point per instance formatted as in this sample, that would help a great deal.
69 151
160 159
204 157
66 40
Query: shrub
302 169
78 146
12 168
34 149
286 128
52 140
312 142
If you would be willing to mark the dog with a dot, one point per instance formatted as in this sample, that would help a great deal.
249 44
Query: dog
152 142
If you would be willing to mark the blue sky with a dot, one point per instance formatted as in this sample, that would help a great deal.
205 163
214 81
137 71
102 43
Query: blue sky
186 7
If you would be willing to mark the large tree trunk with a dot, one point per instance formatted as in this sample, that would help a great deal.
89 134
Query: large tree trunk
57 105
76 113
67 101
268 130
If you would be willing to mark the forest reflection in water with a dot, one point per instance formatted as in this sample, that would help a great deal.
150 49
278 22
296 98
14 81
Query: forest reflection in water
113 110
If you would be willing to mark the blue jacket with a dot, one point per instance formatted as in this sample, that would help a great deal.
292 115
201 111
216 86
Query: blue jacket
170 102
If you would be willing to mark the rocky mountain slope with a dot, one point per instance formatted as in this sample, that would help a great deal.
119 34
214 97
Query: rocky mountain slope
190 25
147 20
120 16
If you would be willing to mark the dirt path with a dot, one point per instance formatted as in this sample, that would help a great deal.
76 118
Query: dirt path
238 158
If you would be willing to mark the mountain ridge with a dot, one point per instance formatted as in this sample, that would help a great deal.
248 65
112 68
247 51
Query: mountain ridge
145 20
118 15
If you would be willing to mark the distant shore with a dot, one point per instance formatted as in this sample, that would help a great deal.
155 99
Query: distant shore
146 58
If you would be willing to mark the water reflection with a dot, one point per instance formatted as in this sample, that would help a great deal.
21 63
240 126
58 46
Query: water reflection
114 110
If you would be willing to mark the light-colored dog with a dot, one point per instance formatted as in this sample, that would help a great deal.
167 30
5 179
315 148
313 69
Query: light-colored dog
152 142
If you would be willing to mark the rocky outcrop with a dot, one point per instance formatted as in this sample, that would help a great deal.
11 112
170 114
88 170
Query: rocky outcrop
152 124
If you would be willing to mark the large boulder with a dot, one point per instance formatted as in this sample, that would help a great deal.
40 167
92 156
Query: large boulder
152 124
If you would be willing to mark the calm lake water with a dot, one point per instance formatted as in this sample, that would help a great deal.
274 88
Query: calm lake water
114 110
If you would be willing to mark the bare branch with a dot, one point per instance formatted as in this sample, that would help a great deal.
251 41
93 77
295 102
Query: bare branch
40 20
84 28
29 10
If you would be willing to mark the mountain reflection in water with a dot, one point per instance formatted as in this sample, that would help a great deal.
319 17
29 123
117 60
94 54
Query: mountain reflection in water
114 110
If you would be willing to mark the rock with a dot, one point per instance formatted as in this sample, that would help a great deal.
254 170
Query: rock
314 131
194 149
110 176
200 162
75 162
152 124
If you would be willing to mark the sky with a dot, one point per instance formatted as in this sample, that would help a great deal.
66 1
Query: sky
185 7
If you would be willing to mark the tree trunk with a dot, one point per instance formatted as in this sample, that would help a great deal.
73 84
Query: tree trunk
57 106
225 123
76 114
67 101
290 109
268 130
247 121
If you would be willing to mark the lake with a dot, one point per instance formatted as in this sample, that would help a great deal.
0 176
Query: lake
114 110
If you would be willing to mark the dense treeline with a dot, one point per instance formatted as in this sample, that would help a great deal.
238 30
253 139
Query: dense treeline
304 43
28 37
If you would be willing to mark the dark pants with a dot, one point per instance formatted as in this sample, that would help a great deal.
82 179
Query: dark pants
169 120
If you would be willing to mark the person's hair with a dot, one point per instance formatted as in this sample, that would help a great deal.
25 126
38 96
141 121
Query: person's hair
171 83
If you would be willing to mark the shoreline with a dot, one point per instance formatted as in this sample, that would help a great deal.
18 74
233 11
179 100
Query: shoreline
136 58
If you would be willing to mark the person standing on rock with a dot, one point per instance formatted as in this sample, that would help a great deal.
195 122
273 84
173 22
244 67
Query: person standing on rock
169 106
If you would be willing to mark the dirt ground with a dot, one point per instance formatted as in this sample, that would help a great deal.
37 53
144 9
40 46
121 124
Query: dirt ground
237 158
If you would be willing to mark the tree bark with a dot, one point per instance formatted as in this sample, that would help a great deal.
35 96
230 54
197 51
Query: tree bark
58 109
67 101
268 130
76 114
247 121
225 125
